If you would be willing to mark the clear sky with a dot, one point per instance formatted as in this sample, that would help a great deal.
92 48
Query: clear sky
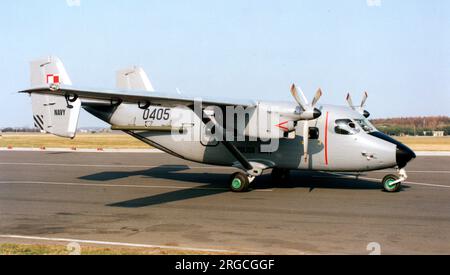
398 50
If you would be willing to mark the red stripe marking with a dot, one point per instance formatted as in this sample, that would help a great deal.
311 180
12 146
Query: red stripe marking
282 127
326 140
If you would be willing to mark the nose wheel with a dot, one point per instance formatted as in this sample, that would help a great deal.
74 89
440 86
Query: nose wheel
393 183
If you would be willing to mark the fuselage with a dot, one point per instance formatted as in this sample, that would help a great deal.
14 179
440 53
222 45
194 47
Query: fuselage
341 139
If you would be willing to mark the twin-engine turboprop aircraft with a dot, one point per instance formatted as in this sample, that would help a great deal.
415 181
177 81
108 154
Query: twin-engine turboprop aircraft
250 135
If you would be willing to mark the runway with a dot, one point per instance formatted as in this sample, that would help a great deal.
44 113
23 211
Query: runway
158 200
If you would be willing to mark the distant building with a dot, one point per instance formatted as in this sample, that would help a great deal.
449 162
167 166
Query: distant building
438 133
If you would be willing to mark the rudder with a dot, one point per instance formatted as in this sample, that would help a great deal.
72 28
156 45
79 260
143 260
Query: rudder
55 114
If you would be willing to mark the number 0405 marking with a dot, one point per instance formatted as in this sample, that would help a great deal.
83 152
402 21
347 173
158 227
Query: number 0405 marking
157 114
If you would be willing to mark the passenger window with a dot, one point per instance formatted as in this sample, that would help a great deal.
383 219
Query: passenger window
345 127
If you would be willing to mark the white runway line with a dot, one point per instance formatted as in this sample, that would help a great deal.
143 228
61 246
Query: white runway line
379 180
413 183
169 167
437 172
123 185
156 151
80 150
118 166
426 184
120 244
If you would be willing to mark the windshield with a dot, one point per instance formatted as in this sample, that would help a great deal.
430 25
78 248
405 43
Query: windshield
365 125
345 127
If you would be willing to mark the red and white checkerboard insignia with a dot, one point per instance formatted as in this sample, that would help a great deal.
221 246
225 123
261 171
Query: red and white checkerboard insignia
52 79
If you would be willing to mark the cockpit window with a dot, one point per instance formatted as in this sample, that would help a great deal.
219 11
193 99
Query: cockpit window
346 127
365 125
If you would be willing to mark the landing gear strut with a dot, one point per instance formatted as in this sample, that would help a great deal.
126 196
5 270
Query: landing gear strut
393 183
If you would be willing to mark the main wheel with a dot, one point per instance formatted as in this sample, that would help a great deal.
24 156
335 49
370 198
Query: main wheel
239 183
389 185
280 174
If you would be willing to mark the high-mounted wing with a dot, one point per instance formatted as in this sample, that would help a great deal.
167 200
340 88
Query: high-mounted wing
135 96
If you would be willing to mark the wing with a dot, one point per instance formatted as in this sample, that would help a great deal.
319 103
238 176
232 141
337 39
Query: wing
135 96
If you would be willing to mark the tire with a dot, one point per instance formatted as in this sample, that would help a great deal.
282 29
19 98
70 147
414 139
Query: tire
280 174
239 183
391 188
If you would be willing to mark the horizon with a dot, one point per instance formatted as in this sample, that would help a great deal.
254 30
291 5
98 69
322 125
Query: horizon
399 51
107 127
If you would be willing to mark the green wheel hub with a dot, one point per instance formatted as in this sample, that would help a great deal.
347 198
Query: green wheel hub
388 184
236 183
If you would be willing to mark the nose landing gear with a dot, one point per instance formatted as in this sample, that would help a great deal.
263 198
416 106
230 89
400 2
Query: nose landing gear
393 183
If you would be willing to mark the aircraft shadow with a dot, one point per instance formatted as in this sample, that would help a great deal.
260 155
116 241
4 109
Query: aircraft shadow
168 172
319 180
212 184
217 183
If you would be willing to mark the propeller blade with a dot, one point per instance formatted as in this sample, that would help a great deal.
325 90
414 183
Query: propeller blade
305 100
294 92
350 101
306 139
363 102
317 97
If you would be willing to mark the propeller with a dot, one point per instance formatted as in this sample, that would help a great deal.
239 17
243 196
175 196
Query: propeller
307 112
359 108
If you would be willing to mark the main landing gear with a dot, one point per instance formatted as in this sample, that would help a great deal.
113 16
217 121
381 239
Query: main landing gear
240 182
393 183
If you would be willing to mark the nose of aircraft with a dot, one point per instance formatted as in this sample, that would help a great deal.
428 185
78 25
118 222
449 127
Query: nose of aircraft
404 155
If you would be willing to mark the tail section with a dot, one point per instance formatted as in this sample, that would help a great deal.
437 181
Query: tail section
133 79
55 114
48 71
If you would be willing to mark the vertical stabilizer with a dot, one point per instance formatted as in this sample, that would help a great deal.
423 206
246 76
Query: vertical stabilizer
56 114
133 78
48 71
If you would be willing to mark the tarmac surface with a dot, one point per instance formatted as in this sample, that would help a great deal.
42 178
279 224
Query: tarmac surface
158 200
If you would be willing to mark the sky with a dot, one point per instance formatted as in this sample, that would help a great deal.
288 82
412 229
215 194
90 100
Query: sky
397 50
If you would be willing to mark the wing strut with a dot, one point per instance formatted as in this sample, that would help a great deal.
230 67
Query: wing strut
238 155
243 161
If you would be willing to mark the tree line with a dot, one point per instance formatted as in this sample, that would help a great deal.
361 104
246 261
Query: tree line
413 126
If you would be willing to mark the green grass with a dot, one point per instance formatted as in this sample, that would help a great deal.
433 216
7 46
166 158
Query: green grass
426 143
123 141
39 249
82 141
